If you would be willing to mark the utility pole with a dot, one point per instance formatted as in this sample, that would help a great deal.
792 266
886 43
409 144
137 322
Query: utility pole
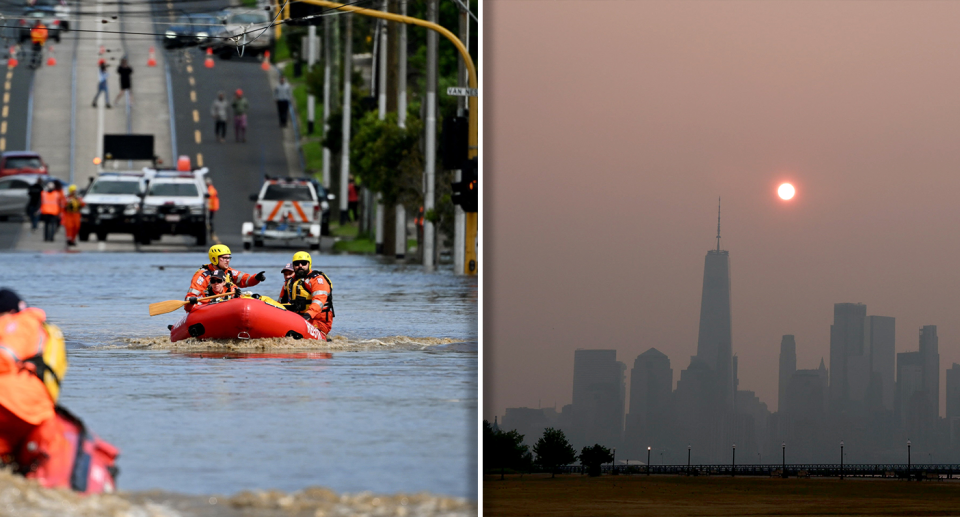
402 47
431 129
460 217
393 105
311 60
345 145
381 114
327 59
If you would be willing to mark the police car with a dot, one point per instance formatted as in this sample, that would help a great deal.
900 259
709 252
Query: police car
288 210
112 204
175 204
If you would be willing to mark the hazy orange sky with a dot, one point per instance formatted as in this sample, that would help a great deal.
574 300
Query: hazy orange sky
610 129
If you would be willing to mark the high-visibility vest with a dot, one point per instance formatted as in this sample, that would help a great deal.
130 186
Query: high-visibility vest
38 34
50 203
214 203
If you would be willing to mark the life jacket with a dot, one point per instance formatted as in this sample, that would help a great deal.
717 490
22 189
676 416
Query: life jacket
298 297
38 34
49 203
90 462
73 204
49 364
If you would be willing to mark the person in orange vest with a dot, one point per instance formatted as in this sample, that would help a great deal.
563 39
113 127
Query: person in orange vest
213 203
220 256
30 434
71 215
51 206
309 293
38 35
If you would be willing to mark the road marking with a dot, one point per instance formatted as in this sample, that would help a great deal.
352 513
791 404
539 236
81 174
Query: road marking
196 135
189 69
6 98
3 127
193 96
199 160
3 144
6 110
191 81
9 74
6 85
196 116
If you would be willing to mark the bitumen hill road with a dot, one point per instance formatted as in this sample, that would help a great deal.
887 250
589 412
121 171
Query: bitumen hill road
56 119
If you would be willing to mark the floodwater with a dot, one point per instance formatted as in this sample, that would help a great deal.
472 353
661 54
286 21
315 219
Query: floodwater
388 407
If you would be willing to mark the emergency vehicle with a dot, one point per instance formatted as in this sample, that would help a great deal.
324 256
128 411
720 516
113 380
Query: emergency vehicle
112 204
289 210
175 204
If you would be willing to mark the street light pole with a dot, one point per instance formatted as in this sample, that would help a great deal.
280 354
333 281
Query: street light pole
648 461
688 460
783 447
733 465
841 460
908 460
614 464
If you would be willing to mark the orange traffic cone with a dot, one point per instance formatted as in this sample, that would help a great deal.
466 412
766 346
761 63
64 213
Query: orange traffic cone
12 61
208 62
51 59
152 58
266 60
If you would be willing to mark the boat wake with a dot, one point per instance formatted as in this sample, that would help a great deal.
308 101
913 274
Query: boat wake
337 343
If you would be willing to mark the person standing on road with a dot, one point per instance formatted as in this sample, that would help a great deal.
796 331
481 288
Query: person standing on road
50 210
71 215
240 107
102 85
282 93
213 203
124 71
219 113
38 36
33 204
353 199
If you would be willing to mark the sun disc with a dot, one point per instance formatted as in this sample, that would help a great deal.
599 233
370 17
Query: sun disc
786 191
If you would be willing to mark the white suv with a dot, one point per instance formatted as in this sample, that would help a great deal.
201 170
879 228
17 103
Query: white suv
287 210
112 204
175 204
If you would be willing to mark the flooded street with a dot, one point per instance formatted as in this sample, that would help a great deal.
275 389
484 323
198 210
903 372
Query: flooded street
370 412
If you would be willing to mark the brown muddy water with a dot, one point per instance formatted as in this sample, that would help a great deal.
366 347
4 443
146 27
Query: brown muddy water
383 417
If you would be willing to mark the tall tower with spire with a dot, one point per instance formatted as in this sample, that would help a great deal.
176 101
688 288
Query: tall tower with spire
715 340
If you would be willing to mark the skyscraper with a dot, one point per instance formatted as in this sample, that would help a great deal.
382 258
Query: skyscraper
929 349
598 397
651 396
715 339
849 367
880 339
788 365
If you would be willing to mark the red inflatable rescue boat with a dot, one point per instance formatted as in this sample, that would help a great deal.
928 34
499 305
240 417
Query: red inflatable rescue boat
243 318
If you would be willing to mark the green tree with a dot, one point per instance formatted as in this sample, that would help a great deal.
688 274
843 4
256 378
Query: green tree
593 457
387 158
553 450
504 450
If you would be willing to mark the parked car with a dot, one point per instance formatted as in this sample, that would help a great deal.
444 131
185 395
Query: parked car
13 193
60 8
112 204
175 204
47 16
21 162
192 29
250 28
288 210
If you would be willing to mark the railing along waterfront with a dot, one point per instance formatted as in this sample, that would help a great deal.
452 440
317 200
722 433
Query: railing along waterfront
931 471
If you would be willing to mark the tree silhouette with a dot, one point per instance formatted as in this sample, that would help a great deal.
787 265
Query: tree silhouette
553 450
593 457
504 450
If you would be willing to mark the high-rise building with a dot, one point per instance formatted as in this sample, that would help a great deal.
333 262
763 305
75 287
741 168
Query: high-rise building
911 399
849 367
929 349
598 397
879 335
715 339
788 365
953 392
651 400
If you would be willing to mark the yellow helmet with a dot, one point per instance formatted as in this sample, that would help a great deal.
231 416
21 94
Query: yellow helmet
216 251
303 255
71 189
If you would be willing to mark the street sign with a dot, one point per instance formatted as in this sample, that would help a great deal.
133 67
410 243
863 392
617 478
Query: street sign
456 91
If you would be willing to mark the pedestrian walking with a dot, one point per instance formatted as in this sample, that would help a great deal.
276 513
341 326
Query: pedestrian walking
283 94
353 199
33 204
51 207
124 71
213 204
240 107
102 85
218 110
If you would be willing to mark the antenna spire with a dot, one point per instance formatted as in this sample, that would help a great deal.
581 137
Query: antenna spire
718 224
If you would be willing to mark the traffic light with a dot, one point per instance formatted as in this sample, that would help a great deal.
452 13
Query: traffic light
466 192
455 141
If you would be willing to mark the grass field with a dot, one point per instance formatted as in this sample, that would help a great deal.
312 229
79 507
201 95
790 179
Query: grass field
575 495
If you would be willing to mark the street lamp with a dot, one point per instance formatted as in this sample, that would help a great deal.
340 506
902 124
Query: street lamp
614 464
783 447
841 460
688 460
759 458
908 460
648 460
733 465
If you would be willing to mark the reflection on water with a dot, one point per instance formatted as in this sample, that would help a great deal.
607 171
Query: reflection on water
366 412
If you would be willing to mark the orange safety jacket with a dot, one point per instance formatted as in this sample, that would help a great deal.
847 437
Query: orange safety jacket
50 202
73 205
201 281
38 34
316 300
214 202
21 392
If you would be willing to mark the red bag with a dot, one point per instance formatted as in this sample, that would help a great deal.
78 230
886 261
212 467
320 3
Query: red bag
87 464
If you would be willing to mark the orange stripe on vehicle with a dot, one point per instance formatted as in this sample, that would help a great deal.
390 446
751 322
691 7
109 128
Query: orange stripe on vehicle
303 216
276 209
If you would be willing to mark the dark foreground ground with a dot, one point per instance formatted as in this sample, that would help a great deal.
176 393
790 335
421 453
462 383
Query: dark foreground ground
576 495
